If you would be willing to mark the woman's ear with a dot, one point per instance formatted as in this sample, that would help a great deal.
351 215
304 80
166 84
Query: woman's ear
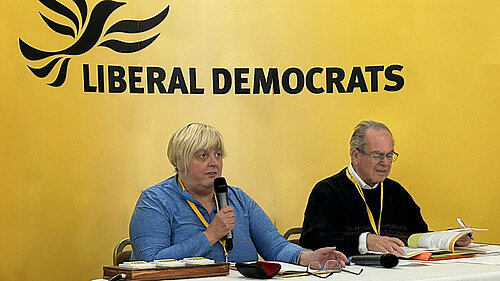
179 168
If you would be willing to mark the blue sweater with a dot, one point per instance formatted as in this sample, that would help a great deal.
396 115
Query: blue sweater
163 226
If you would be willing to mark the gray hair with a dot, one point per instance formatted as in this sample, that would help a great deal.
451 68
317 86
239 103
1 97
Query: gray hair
359 134
190 139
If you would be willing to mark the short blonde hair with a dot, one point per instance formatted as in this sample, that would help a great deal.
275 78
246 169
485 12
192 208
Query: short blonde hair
188 140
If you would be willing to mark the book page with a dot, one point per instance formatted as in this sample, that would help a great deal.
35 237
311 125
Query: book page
411 252
480 248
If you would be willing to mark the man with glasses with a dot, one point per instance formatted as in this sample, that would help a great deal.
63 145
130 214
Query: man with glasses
360 209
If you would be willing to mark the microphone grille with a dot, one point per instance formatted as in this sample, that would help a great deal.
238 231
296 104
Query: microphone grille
220 185
389 260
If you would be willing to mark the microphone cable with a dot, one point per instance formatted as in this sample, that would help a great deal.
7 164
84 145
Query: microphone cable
118 277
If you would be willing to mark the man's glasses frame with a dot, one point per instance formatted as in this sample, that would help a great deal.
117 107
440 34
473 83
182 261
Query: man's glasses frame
378 156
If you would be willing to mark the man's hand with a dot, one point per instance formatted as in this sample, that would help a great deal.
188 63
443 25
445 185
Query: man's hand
322 255
221 225
384 244
463 241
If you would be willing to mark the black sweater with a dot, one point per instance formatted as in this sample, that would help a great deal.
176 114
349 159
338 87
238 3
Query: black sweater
336 214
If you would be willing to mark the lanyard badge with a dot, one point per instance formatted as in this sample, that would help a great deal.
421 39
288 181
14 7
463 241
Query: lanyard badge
200 216
368 211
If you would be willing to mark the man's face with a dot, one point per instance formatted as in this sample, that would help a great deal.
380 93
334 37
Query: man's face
371 170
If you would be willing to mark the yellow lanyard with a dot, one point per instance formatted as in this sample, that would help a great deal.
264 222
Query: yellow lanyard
200 216
368 211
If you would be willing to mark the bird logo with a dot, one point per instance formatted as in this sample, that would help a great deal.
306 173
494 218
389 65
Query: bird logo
86 34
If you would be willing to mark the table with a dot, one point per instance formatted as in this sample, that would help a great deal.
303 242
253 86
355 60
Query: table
452 270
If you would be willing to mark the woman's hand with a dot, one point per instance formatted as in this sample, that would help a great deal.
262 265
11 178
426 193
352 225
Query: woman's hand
322 255
221 225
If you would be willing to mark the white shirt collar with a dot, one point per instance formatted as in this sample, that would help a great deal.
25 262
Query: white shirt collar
359 180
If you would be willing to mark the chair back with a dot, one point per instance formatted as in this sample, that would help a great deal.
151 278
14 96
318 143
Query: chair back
293 231
121 255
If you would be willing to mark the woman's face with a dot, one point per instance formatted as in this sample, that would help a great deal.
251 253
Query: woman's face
205 166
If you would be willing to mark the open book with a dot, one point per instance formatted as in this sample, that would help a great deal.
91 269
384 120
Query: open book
437 245
439 240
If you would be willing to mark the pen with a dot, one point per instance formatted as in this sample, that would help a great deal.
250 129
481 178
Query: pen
462 224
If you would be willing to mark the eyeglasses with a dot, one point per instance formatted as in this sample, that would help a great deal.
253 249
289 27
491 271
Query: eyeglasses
315 269
378 156
330 267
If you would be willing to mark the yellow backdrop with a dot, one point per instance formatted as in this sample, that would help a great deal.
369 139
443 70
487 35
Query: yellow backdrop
74 163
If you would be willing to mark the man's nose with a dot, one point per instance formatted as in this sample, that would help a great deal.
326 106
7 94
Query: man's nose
384 161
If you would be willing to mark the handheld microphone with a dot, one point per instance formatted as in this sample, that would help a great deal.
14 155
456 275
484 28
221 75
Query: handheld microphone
220 187
385 260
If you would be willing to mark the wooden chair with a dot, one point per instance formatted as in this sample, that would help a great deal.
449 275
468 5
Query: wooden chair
293 231
121 255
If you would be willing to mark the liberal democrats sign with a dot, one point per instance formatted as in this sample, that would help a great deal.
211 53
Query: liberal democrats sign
87 30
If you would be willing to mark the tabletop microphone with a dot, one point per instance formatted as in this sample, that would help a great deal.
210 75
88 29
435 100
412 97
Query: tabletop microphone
220 187
385 260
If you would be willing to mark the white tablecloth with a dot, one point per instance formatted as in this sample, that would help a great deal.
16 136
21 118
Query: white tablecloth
479 268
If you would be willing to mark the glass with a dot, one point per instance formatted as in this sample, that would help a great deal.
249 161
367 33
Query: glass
330 267
315 269
379 156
